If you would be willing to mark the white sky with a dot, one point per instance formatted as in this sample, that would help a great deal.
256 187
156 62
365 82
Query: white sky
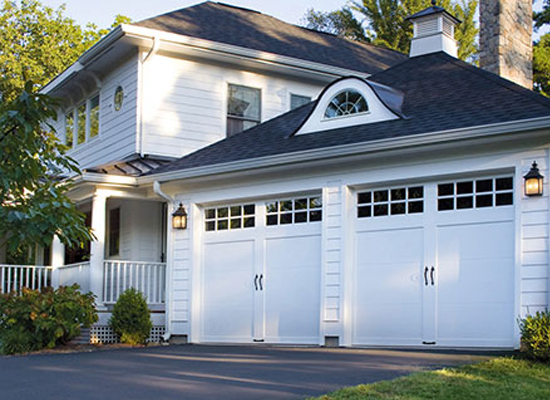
102 12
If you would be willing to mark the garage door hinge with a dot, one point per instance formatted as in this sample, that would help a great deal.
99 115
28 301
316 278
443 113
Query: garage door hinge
430 343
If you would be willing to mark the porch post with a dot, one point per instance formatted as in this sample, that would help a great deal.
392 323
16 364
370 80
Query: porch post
97 248
58 259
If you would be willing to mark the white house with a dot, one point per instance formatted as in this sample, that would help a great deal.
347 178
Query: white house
390 211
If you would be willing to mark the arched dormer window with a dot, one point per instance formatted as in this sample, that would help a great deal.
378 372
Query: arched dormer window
347 102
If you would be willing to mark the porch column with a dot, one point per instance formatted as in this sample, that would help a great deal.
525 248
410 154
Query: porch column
58 259
97 248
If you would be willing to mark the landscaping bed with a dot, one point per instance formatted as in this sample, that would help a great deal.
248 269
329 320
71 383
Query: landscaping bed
500 378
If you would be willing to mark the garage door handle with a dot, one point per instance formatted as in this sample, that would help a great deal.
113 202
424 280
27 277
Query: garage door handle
426 276
256 282
432 275
261 277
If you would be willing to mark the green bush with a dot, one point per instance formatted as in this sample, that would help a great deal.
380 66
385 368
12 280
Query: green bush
35 320
130 319
535 336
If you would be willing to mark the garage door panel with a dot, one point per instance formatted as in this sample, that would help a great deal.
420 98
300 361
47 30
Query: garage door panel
387 295
475 282
228 296
292 289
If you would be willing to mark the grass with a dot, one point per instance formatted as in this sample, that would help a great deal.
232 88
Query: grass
499 378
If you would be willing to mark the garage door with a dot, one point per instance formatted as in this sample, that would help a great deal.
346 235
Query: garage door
434 264
261 272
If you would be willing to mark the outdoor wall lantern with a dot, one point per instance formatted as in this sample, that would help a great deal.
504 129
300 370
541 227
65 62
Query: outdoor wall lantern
179 218
533 181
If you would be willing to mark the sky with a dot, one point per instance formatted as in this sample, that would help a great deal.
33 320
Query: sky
102 12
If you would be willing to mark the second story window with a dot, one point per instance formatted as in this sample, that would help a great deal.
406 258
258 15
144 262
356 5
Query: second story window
82 122
69 128
243 108
297 101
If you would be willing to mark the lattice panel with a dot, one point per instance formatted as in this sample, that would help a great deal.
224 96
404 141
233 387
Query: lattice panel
103 334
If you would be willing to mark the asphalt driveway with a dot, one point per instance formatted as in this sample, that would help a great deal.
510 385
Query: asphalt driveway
208 372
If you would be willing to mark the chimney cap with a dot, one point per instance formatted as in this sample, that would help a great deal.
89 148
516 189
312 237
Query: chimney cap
431 11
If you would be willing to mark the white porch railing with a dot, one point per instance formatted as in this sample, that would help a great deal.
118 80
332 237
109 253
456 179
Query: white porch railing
75 273
147 277
13 278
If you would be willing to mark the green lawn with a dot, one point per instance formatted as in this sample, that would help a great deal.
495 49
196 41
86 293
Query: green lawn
500 378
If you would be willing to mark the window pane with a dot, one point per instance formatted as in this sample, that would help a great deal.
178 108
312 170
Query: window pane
249 222
235 211
464 202
286 218
464 187
315 216
210 225
272 207
485 200
81 120
445 204
222 212
94 116
380 209
315 202
235 223
364 198
244 102
69 128
380 195
210 213
445 189
416 207
249 209
298 101
364 211
398 194
505 184
416 192
485 185
397 208
504 199
222 225
300 204
300 217
272 219
114 231
286 205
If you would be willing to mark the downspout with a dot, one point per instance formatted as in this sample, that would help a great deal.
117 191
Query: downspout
141 94
168 284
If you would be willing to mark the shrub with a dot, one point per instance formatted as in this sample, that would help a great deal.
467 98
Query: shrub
535 336
35 320
130 319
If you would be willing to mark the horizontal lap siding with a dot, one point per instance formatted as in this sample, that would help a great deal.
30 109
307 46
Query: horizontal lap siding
117 137
534 243
185 102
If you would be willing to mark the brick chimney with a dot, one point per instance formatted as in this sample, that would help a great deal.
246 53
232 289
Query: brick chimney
506 46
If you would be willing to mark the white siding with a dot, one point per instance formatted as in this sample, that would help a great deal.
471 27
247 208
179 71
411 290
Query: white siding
117 133
184 102
534 241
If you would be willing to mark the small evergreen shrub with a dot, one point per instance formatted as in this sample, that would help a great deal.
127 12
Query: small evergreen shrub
535 336
130 319
34 320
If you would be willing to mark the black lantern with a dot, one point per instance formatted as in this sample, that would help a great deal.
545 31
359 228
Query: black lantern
179 218
533 181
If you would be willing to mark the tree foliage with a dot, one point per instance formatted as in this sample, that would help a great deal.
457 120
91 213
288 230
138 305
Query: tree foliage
541 65
37 43
339 22
542 17
35 206
385 23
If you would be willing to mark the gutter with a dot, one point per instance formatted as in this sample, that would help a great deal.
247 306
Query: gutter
452 135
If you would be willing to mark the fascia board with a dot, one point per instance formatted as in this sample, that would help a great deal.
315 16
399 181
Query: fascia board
450 137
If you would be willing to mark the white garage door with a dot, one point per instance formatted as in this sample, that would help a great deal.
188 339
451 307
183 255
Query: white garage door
435 265
261 272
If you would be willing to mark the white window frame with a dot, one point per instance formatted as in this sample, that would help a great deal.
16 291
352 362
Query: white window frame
87 126
226 103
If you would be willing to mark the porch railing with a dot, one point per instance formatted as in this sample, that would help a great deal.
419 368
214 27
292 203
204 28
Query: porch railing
75 273
147 277
13 278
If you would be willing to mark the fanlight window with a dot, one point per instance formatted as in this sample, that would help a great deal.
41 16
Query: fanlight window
346 103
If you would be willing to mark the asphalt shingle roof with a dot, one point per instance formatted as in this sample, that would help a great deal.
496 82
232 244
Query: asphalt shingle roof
253 30
440 93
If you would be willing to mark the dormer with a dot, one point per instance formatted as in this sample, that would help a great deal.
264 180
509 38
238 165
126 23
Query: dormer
433 31
353 101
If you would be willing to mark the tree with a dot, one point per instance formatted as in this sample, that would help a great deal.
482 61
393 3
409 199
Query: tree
542 17
386 24
541 65
33 199
37 43
340 22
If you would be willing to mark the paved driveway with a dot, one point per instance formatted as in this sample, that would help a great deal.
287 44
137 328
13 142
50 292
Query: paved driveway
207 372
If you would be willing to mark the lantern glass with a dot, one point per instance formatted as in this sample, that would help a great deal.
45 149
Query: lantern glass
179 218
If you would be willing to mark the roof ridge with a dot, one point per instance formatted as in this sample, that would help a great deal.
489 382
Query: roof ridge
236 7
505 83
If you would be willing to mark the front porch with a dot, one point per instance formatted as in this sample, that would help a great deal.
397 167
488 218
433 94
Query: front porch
129 251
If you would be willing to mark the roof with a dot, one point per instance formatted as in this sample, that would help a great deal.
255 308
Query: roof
433 10
134 166
440 93
253 30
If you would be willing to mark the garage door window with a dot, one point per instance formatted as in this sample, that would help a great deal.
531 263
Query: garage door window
397 201
294 211
481 193
229 217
